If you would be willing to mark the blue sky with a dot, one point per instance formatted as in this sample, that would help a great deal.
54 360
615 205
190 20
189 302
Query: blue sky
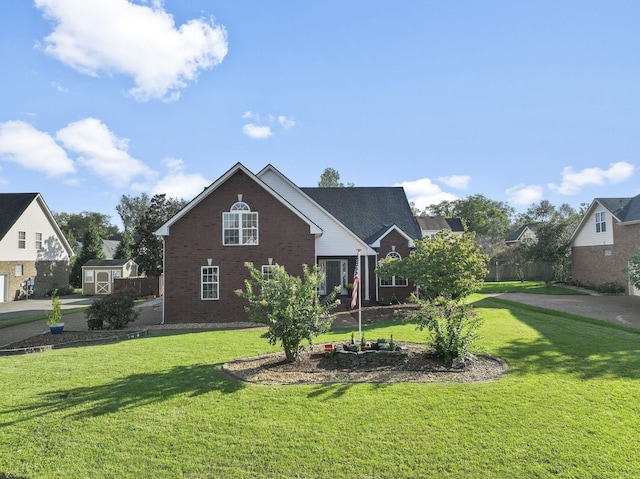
518 101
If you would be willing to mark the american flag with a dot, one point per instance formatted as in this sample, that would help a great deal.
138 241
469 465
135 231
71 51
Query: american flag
356 284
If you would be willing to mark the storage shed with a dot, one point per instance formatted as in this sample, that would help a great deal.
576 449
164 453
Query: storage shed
98 274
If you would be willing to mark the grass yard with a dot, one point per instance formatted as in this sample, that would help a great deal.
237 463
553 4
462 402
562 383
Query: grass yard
533 287
160 407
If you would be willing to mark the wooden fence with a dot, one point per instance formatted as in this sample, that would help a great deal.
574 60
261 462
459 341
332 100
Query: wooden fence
508 271
144 286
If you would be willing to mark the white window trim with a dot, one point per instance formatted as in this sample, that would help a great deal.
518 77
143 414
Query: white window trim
394 279
242 211
601 222
38 241
22 239
89 276
216 274
19 270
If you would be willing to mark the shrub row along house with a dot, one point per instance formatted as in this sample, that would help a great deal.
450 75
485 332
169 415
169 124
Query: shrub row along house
265 219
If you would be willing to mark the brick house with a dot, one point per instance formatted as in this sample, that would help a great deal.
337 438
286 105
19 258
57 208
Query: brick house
605 239
265 219
34 254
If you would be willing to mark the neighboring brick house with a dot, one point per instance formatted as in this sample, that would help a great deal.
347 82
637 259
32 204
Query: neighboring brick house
603 242
265 219
34 254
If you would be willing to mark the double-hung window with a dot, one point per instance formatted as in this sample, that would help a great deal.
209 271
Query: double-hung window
601 222
394 280
210 283
240 225
22 239
38 241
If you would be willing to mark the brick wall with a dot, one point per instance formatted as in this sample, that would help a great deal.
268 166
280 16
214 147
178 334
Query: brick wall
197 237
590 267
401 293
48 275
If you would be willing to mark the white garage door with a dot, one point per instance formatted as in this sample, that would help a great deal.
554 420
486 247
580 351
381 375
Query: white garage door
3 288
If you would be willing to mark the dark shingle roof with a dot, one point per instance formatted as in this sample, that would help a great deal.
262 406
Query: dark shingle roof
106 262
625 209
515 236
368 211
430 223
455 224
12 205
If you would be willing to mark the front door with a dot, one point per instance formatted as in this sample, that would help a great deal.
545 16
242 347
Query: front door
334 275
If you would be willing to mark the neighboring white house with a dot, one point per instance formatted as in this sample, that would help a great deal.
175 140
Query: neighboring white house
430 225
34 254
526 234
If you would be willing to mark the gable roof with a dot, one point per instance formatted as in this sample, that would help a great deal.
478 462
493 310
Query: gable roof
515 236
12 205
107 262
624 209
433 223
164 229
368 211
455 224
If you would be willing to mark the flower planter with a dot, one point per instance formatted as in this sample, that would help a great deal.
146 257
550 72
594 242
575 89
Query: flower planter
94 324
56 328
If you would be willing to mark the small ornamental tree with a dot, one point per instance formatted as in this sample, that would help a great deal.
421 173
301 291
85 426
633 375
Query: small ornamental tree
445 265
288 305
452 327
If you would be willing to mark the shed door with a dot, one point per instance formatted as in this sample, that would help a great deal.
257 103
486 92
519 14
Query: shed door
103 282
3 288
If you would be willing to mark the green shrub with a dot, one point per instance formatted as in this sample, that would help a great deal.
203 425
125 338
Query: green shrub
611 287
115 311
452 327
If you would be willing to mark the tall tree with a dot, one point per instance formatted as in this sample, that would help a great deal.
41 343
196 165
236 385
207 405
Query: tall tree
91 249
551 247
125 247
330 178
131 210
75 225
148 249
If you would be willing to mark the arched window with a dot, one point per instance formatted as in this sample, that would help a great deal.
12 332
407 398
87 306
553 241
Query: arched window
240 225
394 280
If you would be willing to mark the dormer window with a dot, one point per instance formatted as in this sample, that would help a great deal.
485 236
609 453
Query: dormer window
601 223
240 225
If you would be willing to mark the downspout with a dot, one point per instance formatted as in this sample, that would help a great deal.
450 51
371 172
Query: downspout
164 262
377 282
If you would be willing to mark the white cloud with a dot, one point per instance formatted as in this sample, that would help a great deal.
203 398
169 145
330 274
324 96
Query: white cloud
101 151
424 193
59 87
261 126
286 122
176 183
456 181
255 131
525 195
573 181
32 149
117 36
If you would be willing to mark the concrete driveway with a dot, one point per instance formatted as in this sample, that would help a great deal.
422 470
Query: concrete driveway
616 309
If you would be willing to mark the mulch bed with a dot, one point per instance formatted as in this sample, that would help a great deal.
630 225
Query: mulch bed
48 341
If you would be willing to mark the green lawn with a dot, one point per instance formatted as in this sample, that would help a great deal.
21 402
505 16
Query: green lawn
533 287
160 407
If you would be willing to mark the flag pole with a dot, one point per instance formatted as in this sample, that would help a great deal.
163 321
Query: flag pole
359 297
